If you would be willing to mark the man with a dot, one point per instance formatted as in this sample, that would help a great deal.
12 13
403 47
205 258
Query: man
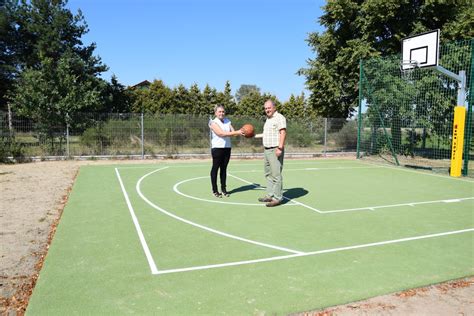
274 135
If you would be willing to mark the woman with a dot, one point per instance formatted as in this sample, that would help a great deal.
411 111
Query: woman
221 130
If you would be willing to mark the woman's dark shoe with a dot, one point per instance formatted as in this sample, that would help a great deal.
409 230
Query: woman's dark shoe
225 193
217 194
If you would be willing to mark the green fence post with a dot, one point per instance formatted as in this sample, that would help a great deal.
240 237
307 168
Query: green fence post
468 131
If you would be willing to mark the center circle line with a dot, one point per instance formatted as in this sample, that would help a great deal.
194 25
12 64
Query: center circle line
175 189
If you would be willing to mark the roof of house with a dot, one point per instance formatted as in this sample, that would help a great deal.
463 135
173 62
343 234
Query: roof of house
143 84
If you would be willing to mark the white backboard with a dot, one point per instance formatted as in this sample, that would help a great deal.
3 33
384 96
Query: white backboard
420 49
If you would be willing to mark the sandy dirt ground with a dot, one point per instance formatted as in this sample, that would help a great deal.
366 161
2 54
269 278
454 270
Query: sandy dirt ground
33 195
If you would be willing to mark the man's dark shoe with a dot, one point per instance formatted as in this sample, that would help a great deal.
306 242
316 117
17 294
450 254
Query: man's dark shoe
265 199
273 203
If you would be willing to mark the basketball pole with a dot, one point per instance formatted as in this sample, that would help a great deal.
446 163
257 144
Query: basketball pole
457 141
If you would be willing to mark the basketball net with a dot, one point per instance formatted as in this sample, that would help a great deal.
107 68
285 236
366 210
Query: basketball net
407 69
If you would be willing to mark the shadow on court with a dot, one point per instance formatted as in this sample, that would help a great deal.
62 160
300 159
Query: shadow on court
289 194
293 193
245 188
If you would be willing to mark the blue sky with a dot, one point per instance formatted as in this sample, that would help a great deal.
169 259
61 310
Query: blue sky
260 42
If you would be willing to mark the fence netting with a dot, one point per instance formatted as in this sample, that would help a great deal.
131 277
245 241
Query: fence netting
95 135
407 116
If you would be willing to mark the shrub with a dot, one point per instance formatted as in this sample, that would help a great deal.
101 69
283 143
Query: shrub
10 148
347 137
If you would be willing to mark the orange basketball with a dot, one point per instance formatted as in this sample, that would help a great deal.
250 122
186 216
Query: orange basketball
248 130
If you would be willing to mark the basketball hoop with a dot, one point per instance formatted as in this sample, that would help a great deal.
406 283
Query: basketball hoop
407 68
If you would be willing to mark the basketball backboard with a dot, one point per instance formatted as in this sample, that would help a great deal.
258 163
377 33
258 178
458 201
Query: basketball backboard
420 50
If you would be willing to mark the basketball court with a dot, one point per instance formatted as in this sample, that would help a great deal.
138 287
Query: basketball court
152 238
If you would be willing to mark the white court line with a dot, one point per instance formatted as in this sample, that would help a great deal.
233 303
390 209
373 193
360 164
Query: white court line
140 167
244 181
194 165
291 200
215 231
151 262
294 202
308 169
452 200
337 168
175 189
417 172
372 208
257 186
312 253
155 271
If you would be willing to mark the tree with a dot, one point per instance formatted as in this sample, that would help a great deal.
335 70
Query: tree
196 98
181 100
58 76
388 96
210 100
357 29
117 97
245 90
252 104
9 40
47 29
226 99
295 108
157 99
52 94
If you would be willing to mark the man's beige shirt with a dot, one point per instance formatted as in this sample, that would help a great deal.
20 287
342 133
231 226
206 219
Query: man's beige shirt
271 130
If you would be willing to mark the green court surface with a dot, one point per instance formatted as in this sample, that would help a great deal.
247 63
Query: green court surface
152 239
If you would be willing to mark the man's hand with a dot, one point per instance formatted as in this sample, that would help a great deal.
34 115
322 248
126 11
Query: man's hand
279 151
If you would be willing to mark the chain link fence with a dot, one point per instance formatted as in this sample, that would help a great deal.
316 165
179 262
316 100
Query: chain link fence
131 135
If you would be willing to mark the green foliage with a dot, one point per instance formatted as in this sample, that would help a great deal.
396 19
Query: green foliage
159 99
298 134
54 90
196 99
9 41
210 100
245 90
358 30
347 136
48 29
96 138
58 75
296 108
252 104
182 99
10 148
226 99
117 97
